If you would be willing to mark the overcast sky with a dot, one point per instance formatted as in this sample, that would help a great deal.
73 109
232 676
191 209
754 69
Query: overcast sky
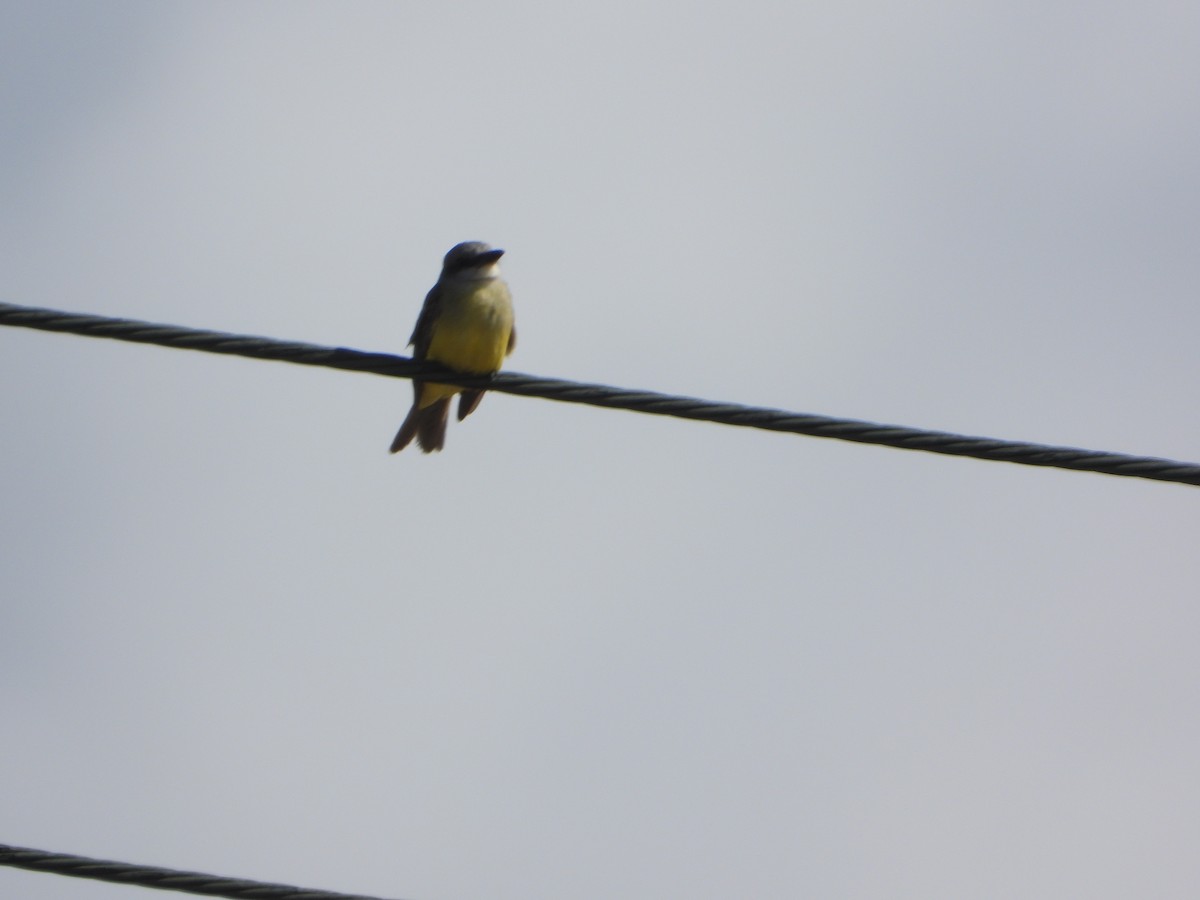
586 653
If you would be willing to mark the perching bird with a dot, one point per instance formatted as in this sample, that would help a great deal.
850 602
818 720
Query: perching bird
466 324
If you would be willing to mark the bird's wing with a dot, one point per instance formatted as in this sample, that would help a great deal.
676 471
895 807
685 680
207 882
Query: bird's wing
423 332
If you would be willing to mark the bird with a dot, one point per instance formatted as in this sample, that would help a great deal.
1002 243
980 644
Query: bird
467 325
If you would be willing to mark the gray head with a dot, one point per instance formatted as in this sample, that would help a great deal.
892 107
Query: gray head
471 255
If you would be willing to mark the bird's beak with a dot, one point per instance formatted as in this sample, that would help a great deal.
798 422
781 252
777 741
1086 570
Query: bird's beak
490 257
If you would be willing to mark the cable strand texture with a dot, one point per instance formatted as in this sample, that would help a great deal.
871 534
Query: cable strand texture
159 878
650 402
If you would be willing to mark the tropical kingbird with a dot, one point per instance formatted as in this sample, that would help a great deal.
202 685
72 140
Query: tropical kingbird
466 324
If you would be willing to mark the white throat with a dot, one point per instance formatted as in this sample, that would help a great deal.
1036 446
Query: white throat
489 272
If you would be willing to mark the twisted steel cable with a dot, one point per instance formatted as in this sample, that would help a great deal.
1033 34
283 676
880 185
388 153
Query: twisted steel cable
162 879
651 402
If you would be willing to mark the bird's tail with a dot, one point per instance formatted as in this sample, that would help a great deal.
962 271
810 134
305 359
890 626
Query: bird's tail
427 425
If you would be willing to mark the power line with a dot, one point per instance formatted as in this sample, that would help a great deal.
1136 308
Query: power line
162 879
651 402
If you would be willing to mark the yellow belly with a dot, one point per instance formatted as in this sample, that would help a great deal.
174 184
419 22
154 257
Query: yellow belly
471 335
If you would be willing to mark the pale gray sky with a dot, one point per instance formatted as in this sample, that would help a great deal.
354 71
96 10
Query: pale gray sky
586 653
